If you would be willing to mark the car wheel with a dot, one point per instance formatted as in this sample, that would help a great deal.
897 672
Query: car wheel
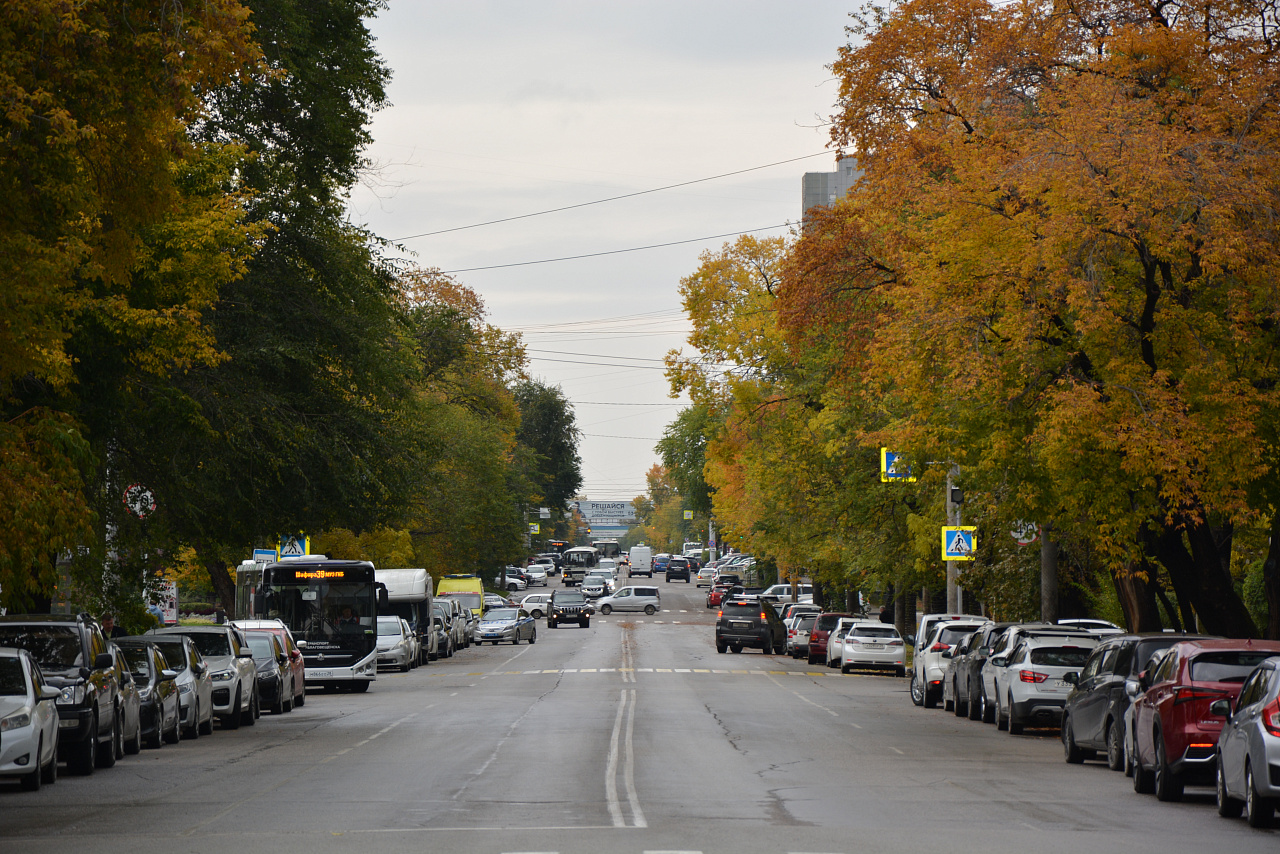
948 705
31 782
1002 722
117 737
767 648
722 648
917 696
606 610
533 638
359 687
1015 726
586 624
929 699
106 757
901 671
1168 785
82 760
536 614
407 666
650 610
736 647
551 624
844 668
233 720
1228 807
255 707
1115 746
1070 751
988 715
277 708
1258 810
49 775
156 739
133 746
174 735
206 726
193 732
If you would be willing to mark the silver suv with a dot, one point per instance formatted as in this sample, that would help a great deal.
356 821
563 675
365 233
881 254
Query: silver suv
632 599
231 669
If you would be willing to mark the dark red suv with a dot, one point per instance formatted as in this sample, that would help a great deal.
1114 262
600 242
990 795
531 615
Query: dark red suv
819 633
1175 734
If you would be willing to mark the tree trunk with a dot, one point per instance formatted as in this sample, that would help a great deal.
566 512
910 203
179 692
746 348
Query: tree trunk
1048 576
1271 579
904 613
224 586
1201 575
1137 598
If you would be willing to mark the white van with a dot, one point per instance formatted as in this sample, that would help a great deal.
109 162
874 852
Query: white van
641 561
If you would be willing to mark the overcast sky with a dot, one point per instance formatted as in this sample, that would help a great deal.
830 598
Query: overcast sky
500 109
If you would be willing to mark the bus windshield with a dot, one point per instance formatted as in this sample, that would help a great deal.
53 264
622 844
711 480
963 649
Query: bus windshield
324 611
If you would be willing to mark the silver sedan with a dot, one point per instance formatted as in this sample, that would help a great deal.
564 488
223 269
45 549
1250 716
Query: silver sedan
506 624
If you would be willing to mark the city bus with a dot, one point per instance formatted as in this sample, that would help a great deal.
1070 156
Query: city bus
331 606
576 563
607 548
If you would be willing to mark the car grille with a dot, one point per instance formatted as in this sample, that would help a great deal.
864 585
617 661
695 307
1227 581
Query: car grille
221 696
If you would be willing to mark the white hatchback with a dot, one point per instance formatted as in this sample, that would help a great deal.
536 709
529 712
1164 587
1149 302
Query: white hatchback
536 604
1036 692
631 599
28 721
872 645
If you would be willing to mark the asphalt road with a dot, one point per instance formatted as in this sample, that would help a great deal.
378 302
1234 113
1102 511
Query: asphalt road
633 735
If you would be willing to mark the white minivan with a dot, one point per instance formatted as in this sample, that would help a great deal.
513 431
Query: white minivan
641 561
631 599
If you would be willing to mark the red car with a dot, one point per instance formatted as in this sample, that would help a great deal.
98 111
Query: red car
819 633
1175 734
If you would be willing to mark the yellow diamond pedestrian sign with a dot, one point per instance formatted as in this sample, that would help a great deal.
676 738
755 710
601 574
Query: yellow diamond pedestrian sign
958 543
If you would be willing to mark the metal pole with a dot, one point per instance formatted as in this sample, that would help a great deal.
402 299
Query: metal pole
953 567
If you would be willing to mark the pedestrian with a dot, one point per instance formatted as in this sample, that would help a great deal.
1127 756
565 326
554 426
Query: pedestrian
219 614
110 629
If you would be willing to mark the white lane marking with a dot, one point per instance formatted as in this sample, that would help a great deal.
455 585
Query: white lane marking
629 775
611 767
798 694
900 753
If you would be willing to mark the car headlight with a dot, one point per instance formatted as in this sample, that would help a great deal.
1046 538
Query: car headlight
186 687
224 676
17 721
72 695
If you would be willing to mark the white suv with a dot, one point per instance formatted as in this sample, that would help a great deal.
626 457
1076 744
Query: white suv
927 663
995 671
1036 692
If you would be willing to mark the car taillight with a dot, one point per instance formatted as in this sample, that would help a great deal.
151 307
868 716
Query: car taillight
1186 693
1271 717
762 616
895 643
940 647
719 614
1032 676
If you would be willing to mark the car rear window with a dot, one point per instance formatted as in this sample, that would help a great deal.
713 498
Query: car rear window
952 635
806 622
827 622
1226 666
741 609
1053 656
873 631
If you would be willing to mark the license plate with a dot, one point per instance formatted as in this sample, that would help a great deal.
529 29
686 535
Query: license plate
320 674
873 646
740 625
1061 684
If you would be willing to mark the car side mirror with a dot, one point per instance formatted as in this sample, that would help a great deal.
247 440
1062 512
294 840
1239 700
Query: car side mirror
48 693
168 675
301 644
199 669
998 661
1132 689
1072 678
282 658
1221 708
244 653
946 653
104 661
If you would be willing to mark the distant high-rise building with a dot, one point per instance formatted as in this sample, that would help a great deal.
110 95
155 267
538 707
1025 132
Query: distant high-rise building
821 189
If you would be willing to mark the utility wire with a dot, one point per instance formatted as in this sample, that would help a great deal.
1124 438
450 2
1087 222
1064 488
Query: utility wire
616 251
602 201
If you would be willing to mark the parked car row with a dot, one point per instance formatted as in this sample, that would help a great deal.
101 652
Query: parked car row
69 693
1169 710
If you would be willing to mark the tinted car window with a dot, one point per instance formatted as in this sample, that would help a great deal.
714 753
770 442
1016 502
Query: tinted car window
1058 657
566 598
741 609
173 653
13 682
1142 652
874 632
139 661
53 647
806 622
1226 666
826 622
1092 666
501 614
260 646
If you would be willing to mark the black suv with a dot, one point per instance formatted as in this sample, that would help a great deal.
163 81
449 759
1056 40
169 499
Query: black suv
73 656
568 606
750 622
678 567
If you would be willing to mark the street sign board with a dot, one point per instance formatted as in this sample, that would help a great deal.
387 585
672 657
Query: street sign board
688 514
894 467
264 555
534 528
292 545
958 542
544 512
1025 533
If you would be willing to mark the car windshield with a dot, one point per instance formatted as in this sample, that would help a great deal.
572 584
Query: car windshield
260 646
874 631
569 598
388 626
53 647
1226 666
139 659
499 615
211 644
175 655
13 682
1052 656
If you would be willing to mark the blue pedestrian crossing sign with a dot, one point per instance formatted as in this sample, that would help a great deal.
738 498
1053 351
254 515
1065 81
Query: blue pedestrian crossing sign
958 542
294 545
894 467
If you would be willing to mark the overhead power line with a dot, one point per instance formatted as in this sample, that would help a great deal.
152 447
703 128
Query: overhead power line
616 251
610 199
